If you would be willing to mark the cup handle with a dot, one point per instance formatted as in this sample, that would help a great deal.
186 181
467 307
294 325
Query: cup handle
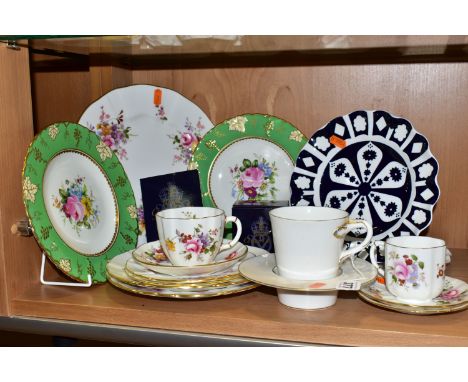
233 242
344 229
373 256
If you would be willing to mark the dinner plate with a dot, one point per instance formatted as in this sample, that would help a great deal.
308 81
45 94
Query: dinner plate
79 201
262 270
153 131
151 256
248 157
454 297
374 165
125 269
182 293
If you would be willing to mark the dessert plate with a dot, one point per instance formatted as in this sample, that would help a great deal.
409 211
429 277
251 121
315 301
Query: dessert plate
262 270
454 297
152 130
248 157
375 166
79 201
151 256
182 293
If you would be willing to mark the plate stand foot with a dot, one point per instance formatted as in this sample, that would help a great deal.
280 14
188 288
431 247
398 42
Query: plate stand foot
44 282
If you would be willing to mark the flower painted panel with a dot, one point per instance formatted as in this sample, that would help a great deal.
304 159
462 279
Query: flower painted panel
199 243
77 204
254 180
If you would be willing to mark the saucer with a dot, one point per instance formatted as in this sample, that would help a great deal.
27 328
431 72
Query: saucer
151 256
261 270
181 293
454 297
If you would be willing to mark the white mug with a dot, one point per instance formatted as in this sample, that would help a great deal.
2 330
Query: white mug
194 235
309 246
414 267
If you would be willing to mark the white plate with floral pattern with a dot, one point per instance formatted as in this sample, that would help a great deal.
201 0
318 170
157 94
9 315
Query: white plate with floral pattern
454 297
248 157
153 131
151 256
262 270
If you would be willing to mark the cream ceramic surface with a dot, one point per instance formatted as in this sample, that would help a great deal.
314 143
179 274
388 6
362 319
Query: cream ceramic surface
137 271
309 240
223 260
262 270
152 130
181 293
118 269
414 267
192 236
76 175
454 297
224 176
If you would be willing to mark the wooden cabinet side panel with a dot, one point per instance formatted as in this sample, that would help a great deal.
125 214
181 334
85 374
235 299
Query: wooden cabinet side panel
433 96
19 260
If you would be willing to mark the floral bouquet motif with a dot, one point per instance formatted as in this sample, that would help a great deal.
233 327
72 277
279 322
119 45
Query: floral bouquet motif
254 180
157 254
77 204
197 244
113 132
406 271
186 141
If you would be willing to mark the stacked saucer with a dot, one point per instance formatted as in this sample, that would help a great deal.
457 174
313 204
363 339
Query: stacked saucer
453 298
148 272
307 294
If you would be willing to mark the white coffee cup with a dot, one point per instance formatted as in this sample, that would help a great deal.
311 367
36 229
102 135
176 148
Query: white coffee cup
194 235
414 267
309 246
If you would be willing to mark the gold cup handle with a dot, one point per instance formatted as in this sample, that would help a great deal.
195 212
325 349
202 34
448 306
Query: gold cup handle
234 241
349 226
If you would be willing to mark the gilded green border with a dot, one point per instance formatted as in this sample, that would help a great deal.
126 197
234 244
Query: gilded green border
67 136
267 127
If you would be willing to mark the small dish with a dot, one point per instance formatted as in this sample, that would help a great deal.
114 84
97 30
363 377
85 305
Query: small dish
152 257
261 270
454 297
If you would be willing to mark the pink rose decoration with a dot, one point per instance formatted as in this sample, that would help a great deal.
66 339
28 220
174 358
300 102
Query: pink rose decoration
450 295
108 140
402 271
73 208
252 177
188 139
194 245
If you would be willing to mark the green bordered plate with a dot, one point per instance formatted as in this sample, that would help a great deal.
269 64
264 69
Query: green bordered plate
248 157
79 201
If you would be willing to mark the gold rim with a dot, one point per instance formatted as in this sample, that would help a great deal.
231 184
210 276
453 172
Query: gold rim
224 279
219 213
309 220
412 310
404 305
186 297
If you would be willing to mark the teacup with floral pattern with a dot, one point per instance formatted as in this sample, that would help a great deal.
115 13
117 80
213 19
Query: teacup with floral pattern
414 267
194 235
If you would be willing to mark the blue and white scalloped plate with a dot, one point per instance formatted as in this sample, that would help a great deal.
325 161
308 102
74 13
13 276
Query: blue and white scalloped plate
374 165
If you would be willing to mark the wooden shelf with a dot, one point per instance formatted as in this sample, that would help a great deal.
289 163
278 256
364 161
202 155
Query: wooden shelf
307 80
255 314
